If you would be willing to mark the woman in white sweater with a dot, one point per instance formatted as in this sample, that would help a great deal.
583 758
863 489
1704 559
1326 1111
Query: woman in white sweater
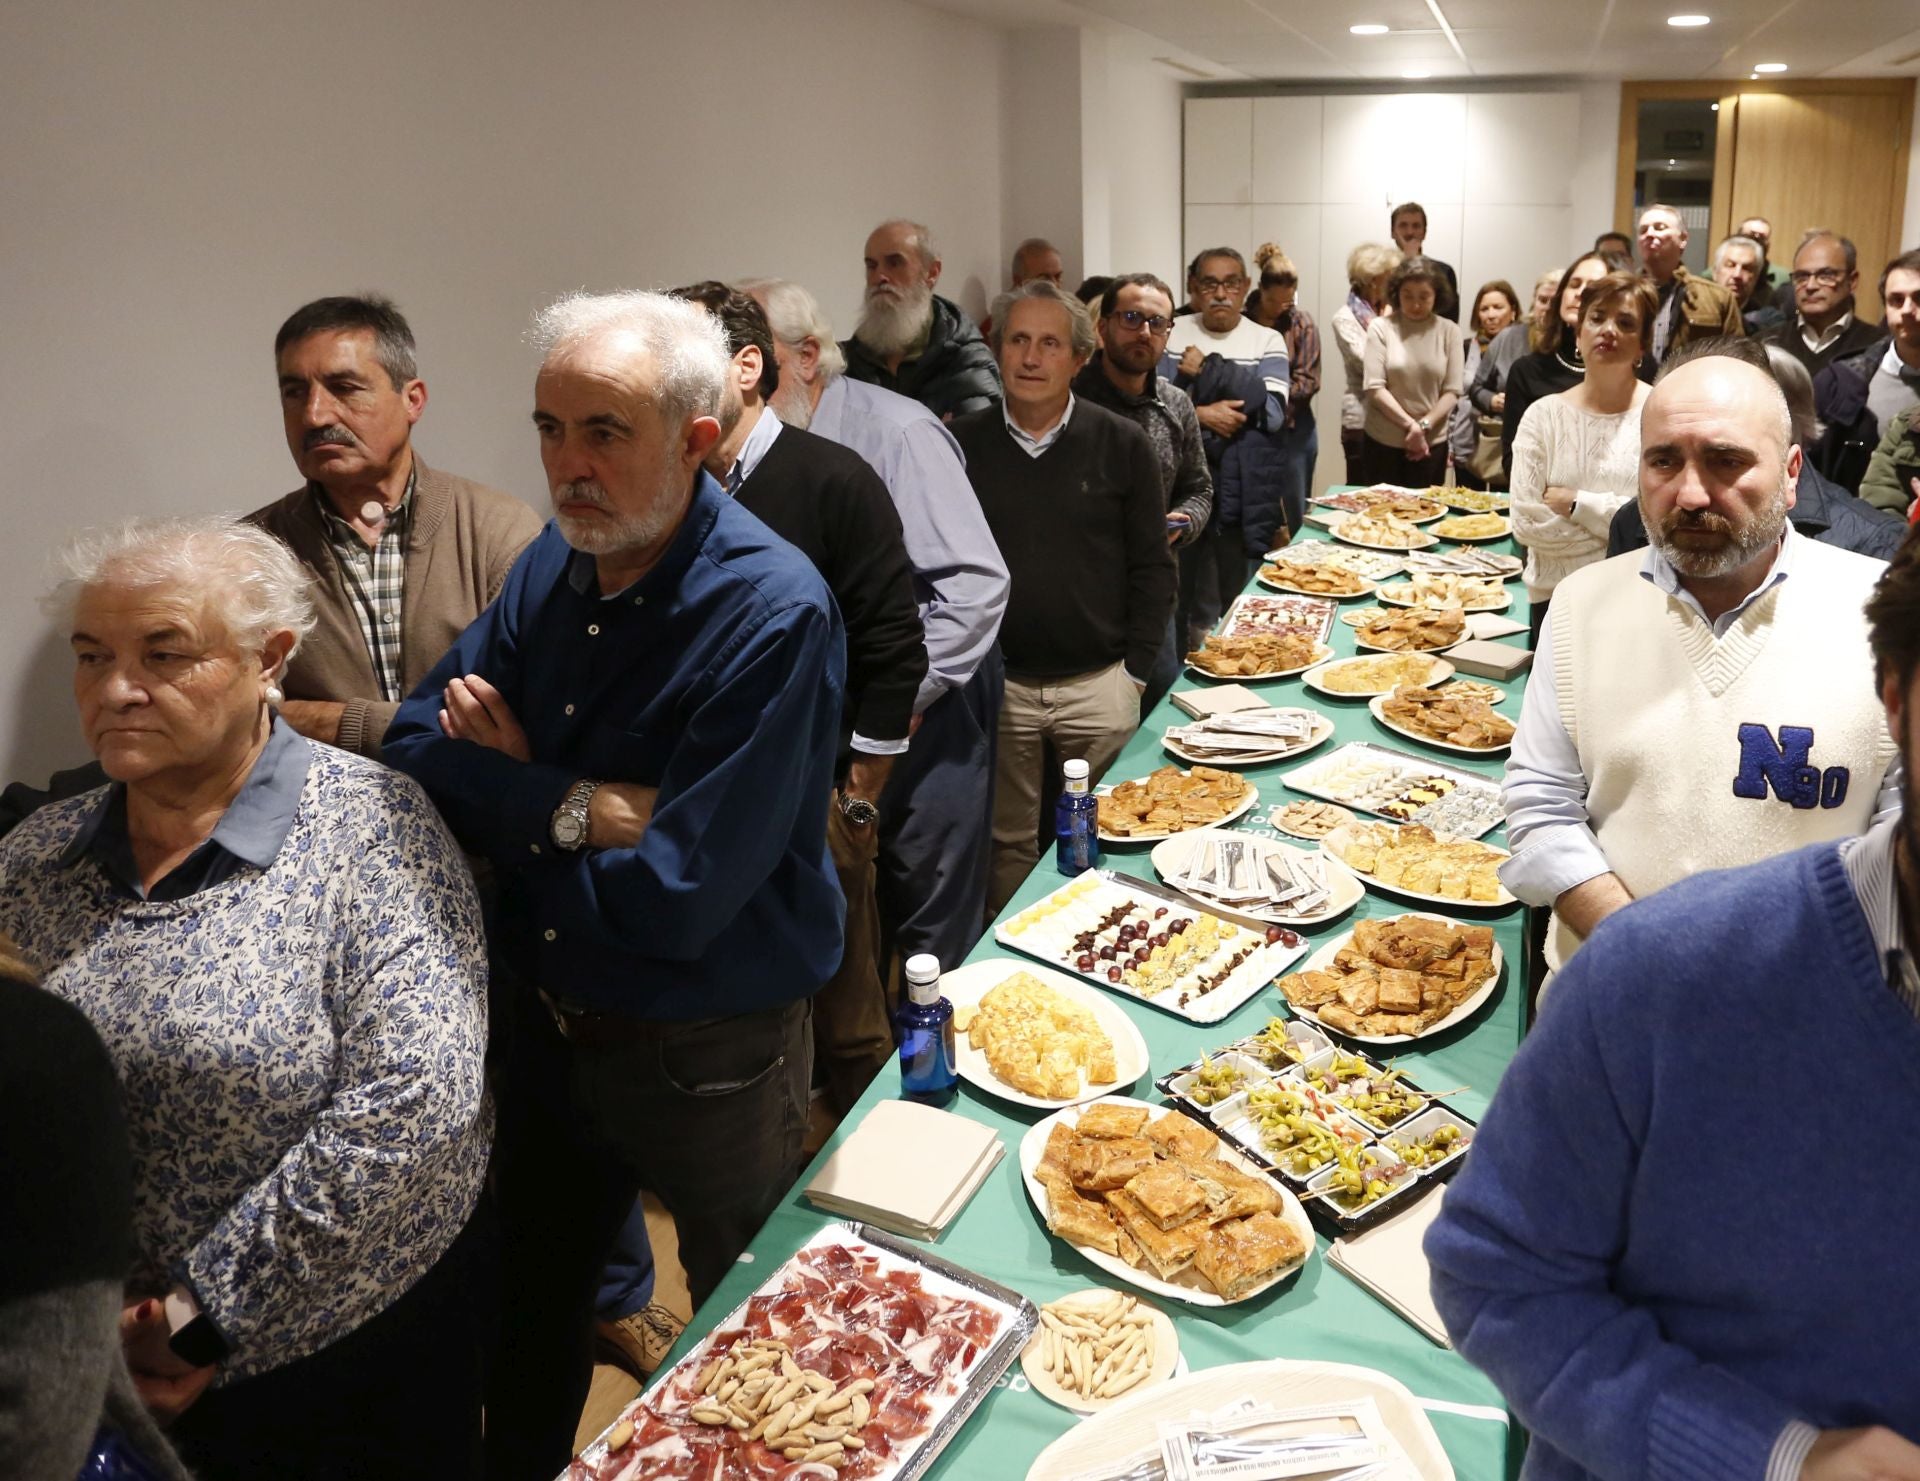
1576 456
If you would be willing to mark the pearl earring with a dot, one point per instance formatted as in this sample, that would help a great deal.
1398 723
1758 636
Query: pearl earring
274 696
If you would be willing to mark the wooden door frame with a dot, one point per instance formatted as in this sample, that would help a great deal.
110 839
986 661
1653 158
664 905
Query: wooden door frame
1726 93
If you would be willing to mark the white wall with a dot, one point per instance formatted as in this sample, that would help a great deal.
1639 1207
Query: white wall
1910 226
1512 182
1132 159
179 177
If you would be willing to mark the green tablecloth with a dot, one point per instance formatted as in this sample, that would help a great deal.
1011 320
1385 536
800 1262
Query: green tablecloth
1319 1314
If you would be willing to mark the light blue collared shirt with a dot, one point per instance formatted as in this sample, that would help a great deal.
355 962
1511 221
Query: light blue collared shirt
752 451
1029 444
959 577
1548 827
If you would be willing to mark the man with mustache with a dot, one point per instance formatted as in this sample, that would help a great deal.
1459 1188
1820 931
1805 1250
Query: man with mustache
1654 1297
1709 701
911 340
639 735
402 556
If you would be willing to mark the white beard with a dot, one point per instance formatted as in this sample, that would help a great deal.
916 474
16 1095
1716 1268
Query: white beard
793 403
620 531
891 326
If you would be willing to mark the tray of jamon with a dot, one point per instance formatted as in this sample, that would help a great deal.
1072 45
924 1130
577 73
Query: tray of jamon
860 1358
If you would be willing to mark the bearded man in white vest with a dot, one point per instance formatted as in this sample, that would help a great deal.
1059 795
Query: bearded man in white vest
1707 702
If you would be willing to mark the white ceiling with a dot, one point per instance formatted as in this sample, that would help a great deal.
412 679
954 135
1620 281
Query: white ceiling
1308 40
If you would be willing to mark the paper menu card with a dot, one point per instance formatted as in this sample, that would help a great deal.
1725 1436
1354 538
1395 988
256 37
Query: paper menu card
1389 1262
907 1168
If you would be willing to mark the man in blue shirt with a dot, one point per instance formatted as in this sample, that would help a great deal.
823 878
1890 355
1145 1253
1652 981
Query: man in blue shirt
638 734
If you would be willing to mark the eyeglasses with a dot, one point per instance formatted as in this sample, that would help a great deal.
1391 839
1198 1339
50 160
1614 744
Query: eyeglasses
1214 285
1826 277
1152 323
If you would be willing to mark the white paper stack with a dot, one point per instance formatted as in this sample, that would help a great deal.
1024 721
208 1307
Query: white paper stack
1221 699
1244 734
907 1168
1251 875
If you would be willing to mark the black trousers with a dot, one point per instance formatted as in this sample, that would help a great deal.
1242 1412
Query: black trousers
1214 569
398 1397
707 1115
1380 463
936 825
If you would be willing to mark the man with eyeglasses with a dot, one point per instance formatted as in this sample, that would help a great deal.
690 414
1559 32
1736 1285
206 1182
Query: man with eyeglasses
1136 315
1823 328
1237 373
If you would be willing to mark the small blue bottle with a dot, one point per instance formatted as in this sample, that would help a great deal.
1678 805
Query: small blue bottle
923 1025
1076 823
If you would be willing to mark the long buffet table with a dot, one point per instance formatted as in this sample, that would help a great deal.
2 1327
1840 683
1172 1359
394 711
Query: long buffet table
1319 1314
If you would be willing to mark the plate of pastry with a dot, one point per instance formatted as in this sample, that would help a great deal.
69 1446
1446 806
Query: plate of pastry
1380 532
1160 1202
1411 859
1446 721
1474 527
1405 977
1309 820
1170 801
1315 580
1445 590
1258 656
1039 1038
1362 678
1412 630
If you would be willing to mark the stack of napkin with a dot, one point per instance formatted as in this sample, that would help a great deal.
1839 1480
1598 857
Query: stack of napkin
906 1168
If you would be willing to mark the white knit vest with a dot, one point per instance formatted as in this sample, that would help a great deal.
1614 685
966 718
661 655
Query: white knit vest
1704 753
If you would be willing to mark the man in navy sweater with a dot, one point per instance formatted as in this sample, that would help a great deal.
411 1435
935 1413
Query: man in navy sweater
639 735
1679 1251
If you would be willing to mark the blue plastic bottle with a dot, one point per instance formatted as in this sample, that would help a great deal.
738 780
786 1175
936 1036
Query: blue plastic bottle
923 1025
1076 823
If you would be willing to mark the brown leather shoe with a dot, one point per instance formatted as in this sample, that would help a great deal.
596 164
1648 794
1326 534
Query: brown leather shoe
640 1341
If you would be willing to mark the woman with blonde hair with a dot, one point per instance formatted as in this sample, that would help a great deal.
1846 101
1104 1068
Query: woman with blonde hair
1273 302
1369 265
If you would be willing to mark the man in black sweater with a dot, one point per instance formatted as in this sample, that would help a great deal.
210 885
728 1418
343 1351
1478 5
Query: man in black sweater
1072 494
826 500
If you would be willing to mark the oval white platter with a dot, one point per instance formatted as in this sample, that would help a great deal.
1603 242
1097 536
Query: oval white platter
969 984
1323 958
1500 534
1497 503
1322 652
1331 844
1365 647
1499 604
1377 706
1187 1286
1239 809
1166 1360
1367 589
1313 679
1170 858
1104 1444
1421 540
1322 732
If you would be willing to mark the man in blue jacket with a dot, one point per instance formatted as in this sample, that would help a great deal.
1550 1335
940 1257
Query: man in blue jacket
639 735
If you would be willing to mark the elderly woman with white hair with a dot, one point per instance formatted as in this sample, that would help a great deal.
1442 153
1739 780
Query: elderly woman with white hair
1369 265
280 946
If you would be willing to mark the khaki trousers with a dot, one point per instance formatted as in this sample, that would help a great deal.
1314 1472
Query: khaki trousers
852 1032
1087 717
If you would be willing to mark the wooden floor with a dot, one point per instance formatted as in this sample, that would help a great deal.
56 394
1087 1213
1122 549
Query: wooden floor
614 1388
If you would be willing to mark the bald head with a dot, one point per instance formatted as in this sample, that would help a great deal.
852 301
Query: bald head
1718 467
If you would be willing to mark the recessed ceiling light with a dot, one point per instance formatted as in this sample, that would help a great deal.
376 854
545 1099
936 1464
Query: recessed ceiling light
1716 107
1415 74
1769 66
1687 20
1368 29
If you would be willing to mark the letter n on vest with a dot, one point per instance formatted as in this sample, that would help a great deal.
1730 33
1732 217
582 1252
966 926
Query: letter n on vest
1785 768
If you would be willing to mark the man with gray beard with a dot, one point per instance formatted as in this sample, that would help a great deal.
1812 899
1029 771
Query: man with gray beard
638 735
1710 701
911 340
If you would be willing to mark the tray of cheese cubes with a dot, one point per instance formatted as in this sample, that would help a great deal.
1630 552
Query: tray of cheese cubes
1137 938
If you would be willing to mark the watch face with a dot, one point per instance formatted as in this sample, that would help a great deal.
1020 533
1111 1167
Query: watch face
569 831
859 811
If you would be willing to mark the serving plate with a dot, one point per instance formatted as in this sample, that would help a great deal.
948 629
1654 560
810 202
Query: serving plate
1323 728
1335 841
1315 678
1170 860
1166 1360
1367 588
1321 653
1506 529
1253 613
1421 540
1187 1286
966 986
1377 705
1323 958
1387 597
1238 810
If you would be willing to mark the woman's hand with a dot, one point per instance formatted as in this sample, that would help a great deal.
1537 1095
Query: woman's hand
166 1382
1499 402
1560 499
1416 443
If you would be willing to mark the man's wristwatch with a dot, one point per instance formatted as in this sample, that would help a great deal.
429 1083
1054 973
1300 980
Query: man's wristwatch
858 811
569 826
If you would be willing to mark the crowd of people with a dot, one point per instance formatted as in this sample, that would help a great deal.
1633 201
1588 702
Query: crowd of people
444 877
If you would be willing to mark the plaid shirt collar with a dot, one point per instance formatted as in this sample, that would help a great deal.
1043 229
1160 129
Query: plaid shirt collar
375 580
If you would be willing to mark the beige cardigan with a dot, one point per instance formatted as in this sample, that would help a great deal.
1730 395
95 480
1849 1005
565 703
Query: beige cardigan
464 539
